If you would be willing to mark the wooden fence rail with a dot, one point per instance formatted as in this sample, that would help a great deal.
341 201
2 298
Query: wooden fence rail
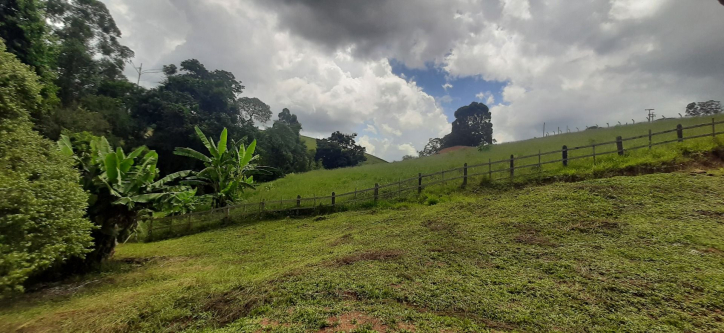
408 185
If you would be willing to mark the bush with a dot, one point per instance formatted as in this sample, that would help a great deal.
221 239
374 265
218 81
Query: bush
41 203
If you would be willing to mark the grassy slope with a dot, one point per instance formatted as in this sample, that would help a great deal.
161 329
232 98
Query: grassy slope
620 254
371 159
323 182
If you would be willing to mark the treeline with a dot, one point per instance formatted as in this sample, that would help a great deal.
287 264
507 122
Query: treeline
84 153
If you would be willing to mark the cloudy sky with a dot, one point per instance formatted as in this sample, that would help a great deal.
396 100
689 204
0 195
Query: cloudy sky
394 71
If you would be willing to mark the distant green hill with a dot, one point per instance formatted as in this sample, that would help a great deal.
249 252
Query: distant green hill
371 159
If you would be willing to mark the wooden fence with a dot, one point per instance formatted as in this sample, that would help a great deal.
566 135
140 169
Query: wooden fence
506 169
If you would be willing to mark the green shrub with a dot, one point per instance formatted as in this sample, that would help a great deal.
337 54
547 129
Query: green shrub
41 204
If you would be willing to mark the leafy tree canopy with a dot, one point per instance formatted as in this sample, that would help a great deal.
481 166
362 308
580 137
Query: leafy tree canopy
339 150
42 207
703 108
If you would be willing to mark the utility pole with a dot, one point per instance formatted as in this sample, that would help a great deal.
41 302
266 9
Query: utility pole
651 115
140 71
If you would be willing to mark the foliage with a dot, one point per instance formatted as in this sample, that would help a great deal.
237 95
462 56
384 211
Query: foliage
255 109
431 148
340 150
226 171
89 50
26 35
41 204
472 126
282 148
191 97
409 157
120 185
703 108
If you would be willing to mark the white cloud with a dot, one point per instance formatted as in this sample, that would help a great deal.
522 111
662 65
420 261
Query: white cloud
572 63
487 97
447 86
371 129
516 8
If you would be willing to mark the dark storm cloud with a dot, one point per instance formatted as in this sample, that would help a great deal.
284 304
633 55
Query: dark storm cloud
414 32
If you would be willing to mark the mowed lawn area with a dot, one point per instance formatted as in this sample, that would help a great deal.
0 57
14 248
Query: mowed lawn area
635 254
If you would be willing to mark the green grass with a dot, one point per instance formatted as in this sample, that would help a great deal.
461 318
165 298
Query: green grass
323 182
632 254
371 159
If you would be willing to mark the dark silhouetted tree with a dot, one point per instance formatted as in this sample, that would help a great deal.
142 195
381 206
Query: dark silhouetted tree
703 108
472 126
431 148
339 150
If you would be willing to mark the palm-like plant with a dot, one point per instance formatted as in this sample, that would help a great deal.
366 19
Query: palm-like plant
226 171
120 186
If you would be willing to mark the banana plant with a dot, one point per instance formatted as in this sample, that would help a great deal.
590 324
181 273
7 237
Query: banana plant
120 186
226 171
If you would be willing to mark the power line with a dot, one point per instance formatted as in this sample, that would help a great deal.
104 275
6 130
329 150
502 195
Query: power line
140 71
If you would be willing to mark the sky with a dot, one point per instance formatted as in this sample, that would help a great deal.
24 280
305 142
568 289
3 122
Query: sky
395 71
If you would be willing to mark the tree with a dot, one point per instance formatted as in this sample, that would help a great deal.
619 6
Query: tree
254 109
472 126
227 171
703 108
409 157
339 150
283 149
190 97
431 148
121 185
42 207
27 36
89 51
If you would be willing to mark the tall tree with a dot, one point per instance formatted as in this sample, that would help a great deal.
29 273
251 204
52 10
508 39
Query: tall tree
189 97
472 126
89 50
283 149
340 150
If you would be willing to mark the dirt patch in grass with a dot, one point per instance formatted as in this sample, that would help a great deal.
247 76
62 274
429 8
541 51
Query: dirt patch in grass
353 321
378 255
710 213
342 240
531 236
232 305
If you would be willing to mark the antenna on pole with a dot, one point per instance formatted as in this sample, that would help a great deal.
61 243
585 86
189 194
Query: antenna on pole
140 71
651 115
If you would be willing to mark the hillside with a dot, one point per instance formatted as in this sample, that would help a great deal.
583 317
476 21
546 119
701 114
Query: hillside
371 159
620 254
323 182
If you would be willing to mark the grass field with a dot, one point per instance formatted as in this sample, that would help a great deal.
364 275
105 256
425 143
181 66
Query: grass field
371 159
323 182
634 254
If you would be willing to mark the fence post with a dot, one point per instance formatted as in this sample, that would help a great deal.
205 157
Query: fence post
594 154
713 128
227 212
564 152
333 199
649 139
377 191
262 206
680 133
619 145
490 170
299 201
188 221
512 167
419 183
465 175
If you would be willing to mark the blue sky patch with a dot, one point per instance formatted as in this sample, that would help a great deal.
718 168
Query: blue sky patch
450 93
